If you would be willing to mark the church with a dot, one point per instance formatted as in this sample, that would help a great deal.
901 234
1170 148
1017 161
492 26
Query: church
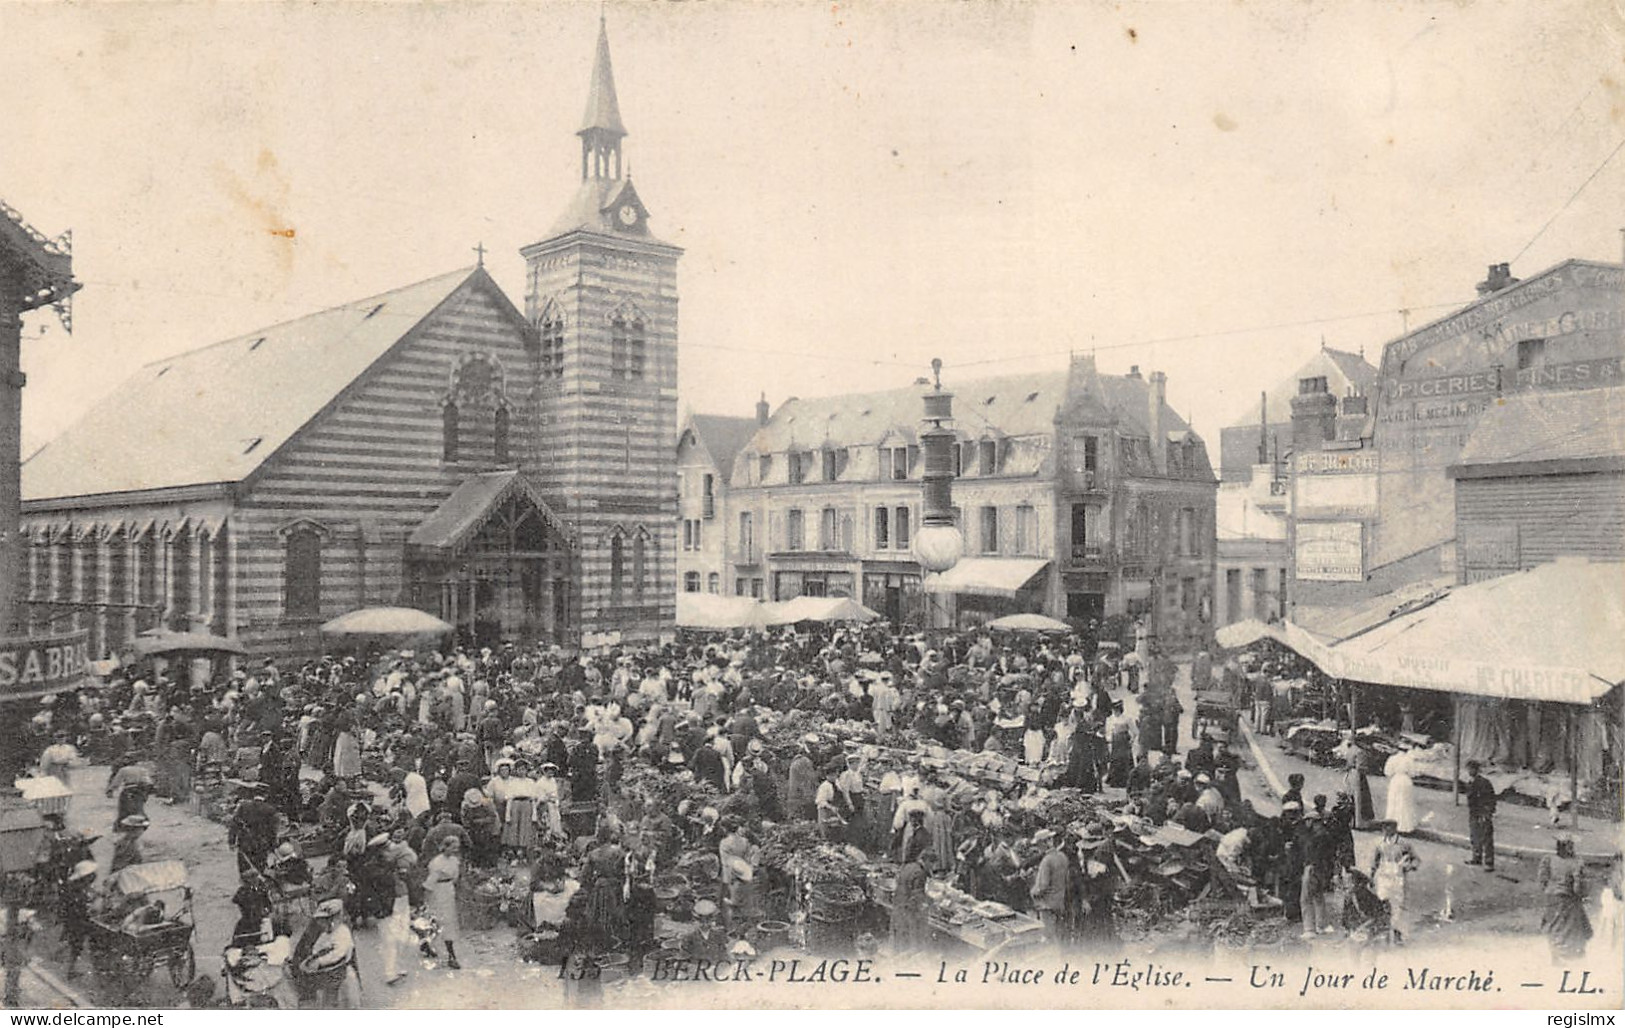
508 470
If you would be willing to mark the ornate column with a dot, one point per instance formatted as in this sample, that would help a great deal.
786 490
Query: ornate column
231 577
76 586
208 604
132 583
165 544
194 571
104 590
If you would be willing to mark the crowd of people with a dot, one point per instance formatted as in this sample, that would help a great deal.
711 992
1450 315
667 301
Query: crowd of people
417 769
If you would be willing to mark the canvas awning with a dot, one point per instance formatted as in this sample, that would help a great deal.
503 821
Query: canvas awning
1550 634
818 608
987 576
719 613
1245 633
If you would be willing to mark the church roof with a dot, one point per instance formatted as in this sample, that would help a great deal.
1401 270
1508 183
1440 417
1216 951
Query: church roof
216 414
603 109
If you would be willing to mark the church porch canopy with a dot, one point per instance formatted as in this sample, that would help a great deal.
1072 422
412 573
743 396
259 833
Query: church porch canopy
473 504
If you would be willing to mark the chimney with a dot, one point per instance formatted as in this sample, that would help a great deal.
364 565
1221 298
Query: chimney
1157 396
1263 427
763 412
1314 421
1133 371
1499 278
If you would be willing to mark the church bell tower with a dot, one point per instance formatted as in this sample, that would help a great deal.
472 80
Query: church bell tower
601 295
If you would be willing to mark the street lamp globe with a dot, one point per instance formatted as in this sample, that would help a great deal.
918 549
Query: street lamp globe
938 547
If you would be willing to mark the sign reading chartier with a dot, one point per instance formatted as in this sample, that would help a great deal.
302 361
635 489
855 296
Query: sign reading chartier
42 665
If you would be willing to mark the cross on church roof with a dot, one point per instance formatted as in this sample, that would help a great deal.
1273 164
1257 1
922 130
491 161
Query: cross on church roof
479 250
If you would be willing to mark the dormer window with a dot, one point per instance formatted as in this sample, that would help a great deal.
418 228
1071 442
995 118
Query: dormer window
1307 386
988 457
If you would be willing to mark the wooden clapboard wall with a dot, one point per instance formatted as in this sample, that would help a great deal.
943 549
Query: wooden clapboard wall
607 446
369 468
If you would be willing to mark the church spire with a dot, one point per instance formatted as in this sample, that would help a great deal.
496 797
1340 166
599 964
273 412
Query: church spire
601 129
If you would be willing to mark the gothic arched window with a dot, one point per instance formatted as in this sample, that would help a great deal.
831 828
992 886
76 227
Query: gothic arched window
302 573
617 567
500 429
448 432
640 565
550 329
628 348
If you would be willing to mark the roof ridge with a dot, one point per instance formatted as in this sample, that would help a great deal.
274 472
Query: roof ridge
462 274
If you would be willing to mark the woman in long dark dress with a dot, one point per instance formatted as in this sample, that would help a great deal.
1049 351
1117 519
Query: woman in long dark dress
1562 879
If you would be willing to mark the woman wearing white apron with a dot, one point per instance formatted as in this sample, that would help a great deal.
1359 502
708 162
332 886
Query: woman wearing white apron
1394 862
1401 805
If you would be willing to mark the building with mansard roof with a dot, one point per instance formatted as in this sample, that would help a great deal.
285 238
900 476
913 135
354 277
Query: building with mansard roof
508 470
1078 494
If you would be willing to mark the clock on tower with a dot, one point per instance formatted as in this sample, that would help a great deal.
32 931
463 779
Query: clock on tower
602 294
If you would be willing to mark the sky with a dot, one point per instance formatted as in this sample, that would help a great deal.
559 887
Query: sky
1212 189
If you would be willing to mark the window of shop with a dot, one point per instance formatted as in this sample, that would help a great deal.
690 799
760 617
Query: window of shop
691 581
882 528
990 530
713 583
828 529
796 530
741 587
1026 529
747 537
902 528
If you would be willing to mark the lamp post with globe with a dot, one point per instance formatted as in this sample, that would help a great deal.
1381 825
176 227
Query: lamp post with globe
938 544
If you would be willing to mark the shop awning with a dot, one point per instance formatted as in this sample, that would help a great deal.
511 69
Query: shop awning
987 576
1550 634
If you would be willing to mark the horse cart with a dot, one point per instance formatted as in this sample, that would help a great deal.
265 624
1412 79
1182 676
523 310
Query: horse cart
144 921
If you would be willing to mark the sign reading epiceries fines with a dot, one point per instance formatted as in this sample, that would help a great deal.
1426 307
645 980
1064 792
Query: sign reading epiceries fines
43 665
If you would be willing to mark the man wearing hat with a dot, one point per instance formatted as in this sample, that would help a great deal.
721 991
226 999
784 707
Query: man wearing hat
1481 816
1095 926
1051 890
127 848
253 828
323 955
73 910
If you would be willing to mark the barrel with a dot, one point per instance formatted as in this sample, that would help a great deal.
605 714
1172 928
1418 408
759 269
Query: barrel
771 935
835 901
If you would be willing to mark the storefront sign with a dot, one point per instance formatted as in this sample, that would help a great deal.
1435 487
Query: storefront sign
43 665
1603 371
1332 463
1330 551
